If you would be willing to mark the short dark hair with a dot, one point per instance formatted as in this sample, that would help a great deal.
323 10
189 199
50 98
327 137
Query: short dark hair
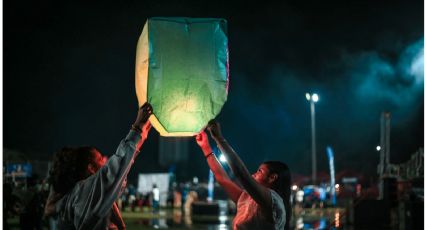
70 165
282 185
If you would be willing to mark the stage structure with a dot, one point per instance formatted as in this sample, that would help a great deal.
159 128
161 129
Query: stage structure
147 181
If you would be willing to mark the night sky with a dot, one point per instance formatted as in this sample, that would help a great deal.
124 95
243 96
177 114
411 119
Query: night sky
69 78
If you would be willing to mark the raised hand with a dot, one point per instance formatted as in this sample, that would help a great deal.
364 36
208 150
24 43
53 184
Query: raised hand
215 130
143 115
202 141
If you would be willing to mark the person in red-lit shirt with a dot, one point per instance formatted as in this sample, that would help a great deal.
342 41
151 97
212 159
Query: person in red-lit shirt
263 197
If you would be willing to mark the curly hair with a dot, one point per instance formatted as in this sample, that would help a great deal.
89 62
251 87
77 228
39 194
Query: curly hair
70 166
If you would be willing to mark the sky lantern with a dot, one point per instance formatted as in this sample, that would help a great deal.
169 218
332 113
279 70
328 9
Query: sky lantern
182 70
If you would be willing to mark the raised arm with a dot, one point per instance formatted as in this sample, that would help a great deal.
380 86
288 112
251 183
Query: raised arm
259 193
232 189
93 198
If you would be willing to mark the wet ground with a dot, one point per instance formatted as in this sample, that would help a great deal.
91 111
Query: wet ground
330 218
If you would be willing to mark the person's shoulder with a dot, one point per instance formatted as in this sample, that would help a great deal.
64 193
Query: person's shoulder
244 195
59 205
275 194
75 192
278 210
276 198
86 184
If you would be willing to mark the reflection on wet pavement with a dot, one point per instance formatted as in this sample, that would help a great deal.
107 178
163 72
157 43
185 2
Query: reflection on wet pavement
329 218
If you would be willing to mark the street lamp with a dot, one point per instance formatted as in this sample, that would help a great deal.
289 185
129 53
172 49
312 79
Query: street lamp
313 99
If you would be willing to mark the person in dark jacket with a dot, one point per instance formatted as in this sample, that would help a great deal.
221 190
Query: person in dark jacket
85 185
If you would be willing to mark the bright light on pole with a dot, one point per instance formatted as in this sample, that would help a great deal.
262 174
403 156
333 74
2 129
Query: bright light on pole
307 95
378 148
313 99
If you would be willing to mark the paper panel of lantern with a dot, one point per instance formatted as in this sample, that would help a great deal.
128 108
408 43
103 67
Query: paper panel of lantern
182 71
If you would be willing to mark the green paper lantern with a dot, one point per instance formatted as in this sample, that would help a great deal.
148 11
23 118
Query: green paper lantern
182 70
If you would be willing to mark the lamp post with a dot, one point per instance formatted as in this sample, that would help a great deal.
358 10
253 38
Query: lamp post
210 197
313 99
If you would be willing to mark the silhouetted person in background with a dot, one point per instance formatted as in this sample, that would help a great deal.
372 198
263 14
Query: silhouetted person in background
85 186
31 205
155 198
10 201
263 200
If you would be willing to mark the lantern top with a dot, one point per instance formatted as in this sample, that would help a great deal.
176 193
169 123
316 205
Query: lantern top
182 71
